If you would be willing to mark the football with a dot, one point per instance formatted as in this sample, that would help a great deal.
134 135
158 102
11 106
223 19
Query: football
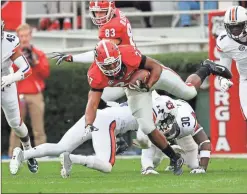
141 74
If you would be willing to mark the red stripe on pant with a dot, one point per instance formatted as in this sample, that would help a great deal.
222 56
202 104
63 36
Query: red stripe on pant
113 142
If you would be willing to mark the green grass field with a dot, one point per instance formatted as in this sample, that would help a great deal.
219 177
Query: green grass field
224 175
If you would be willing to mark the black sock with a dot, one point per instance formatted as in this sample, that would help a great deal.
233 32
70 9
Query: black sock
170 153
203 72
25 139
102 104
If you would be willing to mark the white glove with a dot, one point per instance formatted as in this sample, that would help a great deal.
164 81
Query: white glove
198 170
225 84
88 130
7 80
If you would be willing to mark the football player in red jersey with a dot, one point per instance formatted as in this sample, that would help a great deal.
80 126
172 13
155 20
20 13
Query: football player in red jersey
113 67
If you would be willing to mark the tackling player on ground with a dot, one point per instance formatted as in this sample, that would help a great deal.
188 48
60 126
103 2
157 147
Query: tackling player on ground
181 126
10 100
232 45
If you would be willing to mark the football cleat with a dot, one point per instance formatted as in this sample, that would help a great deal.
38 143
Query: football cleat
66 164
178 164
33 165
217 69
122 145
169 169
16 161
149 170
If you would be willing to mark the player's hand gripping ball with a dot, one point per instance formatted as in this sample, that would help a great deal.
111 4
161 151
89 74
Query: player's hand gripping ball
139 80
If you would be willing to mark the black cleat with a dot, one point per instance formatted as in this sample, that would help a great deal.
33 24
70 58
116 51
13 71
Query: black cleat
33 165
217 69
122 145
178 164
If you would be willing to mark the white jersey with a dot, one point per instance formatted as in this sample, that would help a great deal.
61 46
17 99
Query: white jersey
123 117
185 115
9 43
230 50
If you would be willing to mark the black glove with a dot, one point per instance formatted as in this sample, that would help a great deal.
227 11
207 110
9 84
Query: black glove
62 57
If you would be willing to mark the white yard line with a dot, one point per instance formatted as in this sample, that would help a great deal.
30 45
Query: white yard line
233 156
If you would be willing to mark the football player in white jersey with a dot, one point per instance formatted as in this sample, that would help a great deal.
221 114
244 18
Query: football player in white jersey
180 124
109 123
10 100
232 45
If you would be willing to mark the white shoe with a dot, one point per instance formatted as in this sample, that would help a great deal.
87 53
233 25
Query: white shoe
149 170
169 169
66 164
16 160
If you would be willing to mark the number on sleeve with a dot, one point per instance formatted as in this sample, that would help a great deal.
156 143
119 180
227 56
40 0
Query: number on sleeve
185 121
10 37
89 80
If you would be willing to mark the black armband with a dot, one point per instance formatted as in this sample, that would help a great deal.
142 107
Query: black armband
97 90
143 62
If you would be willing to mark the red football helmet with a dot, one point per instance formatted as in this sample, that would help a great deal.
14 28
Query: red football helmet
108 58
106 6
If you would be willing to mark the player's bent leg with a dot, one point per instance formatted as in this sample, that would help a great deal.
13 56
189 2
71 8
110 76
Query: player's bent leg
172 83
112 93
147 160
144 117
191 151
142 141
71 140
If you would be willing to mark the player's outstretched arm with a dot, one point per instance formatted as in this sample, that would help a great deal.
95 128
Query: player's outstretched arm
92 106
24 69
87 57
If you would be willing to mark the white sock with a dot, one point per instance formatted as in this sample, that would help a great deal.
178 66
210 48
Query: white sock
91 162
147 157
47 149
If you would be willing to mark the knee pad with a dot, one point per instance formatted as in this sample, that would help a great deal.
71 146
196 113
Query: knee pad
15 122
143 140
21 131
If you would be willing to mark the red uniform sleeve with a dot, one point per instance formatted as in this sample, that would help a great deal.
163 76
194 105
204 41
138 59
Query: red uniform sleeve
95 80
132 57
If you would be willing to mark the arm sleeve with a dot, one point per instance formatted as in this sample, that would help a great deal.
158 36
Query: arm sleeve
143 61
24 68
87 57
225 60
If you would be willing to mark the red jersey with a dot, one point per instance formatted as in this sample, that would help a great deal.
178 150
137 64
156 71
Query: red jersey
132 60
119 28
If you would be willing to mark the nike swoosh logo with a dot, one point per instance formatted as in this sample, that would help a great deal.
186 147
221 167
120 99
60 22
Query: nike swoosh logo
222 68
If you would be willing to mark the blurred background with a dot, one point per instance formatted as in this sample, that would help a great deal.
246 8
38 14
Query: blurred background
177 33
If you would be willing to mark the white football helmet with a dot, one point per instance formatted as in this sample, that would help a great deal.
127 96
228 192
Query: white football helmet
235 22
165 111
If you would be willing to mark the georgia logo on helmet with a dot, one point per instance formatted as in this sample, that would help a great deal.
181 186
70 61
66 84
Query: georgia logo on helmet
108 58
106 6
235 21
